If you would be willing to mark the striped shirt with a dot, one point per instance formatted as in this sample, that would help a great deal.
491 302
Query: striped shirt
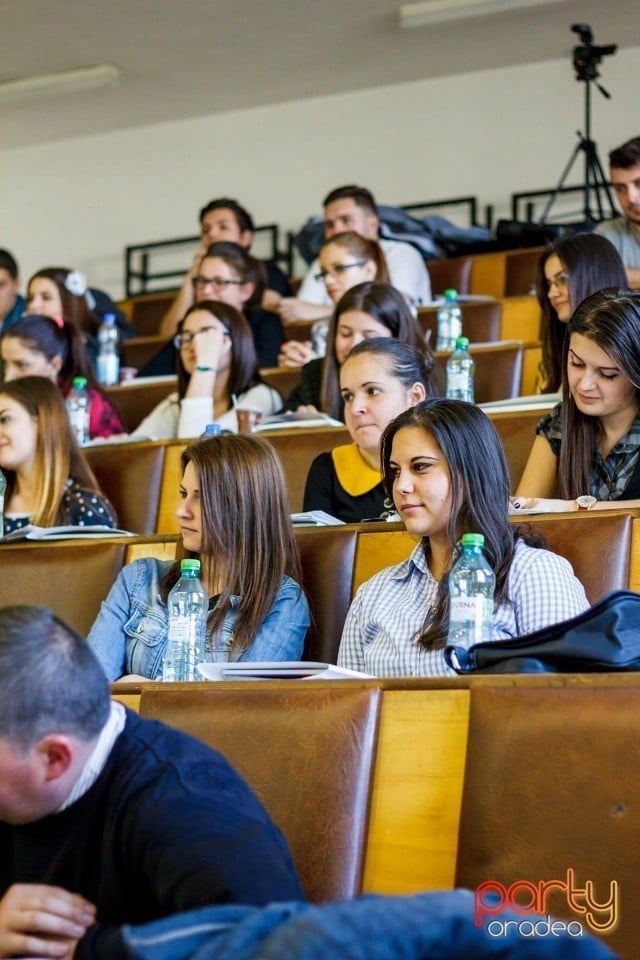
389 611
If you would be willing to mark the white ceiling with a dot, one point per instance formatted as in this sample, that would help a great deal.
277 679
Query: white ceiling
186 58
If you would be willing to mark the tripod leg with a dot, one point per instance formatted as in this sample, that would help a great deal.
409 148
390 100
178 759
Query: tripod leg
561 182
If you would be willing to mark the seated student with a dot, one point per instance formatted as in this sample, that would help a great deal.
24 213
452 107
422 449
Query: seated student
49 483
216 363
12 304
589 444
346 260
52 347
624 232
378 380
353 208
107 818
223 220
61 292
234 516
568 271
444 466
363 312
229 274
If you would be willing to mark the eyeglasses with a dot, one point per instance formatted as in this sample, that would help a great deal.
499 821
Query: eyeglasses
338 270
182 340
215 282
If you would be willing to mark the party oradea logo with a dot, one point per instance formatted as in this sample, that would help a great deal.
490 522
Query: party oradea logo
593 911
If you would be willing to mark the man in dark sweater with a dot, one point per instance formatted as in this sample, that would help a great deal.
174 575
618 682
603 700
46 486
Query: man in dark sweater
106 817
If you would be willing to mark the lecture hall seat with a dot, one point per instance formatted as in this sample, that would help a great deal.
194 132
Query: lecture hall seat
307 751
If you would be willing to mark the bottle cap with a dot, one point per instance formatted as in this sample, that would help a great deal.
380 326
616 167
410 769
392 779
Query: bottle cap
190 564
451 294
473 539
462 343
80 383
212 430
109 318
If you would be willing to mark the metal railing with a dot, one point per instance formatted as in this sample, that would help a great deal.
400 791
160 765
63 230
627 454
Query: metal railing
141 277
529 198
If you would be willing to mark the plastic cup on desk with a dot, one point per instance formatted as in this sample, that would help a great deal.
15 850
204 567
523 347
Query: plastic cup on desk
248 419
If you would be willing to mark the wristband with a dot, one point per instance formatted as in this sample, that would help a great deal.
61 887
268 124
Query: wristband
201 367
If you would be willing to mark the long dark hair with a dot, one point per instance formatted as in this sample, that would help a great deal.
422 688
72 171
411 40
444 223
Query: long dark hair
611 319
244 362
57 455
479 493
55 339
386 305
247 534
591 262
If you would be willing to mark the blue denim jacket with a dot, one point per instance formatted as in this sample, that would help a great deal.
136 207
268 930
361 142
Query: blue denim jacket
130 632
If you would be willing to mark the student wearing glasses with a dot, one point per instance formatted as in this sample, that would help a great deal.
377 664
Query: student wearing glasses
345 261
216 361
228 274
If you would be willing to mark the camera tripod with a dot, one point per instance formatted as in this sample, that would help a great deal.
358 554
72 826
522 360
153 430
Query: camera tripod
595 183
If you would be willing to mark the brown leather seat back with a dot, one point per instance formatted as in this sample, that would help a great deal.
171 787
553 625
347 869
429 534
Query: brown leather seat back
517 431
521 266
481 322
552 783
308 753
597 546
327 555
453 273
297 450
498 369
136 399
130 475
70 579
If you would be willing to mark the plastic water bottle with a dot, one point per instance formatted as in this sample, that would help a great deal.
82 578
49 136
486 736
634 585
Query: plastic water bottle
188 605
449 321
471 586
460 367
319 332
3 490
108 360
79 409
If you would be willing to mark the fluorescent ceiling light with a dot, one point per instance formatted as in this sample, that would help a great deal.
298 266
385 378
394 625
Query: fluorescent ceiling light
441 11
52 84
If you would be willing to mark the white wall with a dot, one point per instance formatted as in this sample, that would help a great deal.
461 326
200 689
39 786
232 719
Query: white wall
79 202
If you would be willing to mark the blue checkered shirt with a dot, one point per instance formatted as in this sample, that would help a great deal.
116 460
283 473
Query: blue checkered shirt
388 612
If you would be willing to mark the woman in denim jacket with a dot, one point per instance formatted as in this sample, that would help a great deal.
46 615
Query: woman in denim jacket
234 516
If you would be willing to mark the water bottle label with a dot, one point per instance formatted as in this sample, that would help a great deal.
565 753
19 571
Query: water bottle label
458 380
476 610
180 629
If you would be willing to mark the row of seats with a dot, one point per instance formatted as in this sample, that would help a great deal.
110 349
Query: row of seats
402 786
499 370
74 577
142 478
506 273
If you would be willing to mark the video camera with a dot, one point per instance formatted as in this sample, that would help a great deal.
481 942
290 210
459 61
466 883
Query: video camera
587 56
